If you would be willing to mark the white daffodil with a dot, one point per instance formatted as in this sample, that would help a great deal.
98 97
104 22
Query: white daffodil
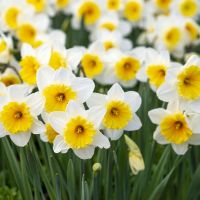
66 58
18 114
155 67
9 77
170 34
93 60
88 10
32 60
29 27
122 67
78 130
49 134
176 127
60 86
112 40
111 22
133 10
186 8
183 83
120 110
162 5
6 45
10 13
192 29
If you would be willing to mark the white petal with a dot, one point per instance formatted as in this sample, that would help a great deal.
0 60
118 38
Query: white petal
134 124
180 149
44 77
36 103
157 115
195 105
116 92
58 121
84 88
18 92
113 134
59 144
21 139
73 109
43 54
195 123
195 139
27 49
63 75
167 92
96 115
101 140
141 75
159 137
85 153
3 132
96 99
134 99
38 127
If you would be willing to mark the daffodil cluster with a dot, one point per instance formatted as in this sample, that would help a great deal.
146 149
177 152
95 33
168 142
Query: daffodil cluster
80 97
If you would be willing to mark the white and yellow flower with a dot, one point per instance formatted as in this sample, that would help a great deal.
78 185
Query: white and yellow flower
29 28
122 67
176 127
9 77
170 34
155 67
186 8
10 13
18 114
133 10
60 86
120 109
183 83
93 60
78 130
87 10
111 22
6 45
32 60
111 40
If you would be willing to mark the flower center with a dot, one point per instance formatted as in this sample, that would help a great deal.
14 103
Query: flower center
127 68
57 97
15 117
79 132
175 128
156 74
117 116
188 83
92 65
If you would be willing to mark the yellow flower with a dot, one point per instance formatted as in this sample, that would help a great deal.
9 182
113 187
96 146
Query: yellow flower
29 66
15 117
92 65
126 68
57 60
113 4
156 74
136 161
79 132
89 11
57 97
188 8
39 5
117 116
133 10
50 133
188 82
175 128
172 37
10 17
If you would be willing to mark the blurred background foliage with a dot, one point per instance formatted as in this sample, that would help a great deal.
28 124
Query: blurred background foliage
35 172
